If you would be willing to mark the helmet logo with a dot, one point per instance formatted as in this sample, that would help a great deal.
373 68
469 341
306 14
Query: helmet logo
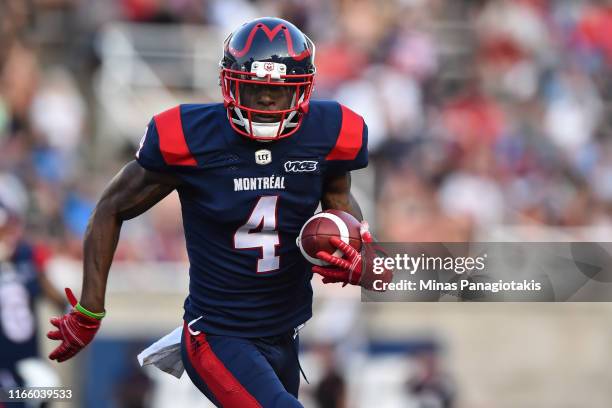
268 66
263 156
271 34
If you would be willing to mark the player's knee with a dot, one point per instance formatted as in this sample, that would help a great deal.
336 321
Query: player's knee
286 400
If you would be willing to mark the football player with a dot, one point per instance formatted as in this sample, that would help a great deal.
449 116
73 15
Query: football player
22 283
249 172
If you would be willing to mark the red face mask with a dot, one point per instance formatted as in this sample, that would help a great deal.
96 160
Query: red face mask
266 104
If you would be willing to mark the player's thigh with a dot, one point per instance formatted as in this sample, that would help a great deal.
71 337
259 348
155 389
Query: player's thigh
283 357
232 372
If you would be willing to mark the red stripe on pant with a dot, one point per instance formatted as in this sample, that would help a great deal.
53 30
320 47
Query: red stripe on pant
221 382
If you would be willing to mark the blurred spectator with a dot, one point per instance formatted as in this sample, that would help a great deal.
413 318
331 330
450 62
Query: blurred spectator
58 112
330 392
23 282
19 81
429 387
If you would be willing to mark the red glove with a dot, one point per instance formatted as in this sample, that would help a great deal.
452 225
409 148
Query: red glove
76 330
349 269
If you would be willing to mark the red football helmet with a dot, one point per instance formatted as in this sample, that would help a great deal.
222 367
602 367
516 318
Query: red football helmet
267 74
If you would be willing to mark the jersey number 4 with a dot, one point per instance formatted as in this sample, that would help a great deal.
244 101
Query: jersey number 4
259 232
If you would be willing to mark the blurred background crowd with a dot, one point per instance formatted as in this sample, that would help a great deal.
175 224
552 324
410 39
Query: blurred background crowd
482 114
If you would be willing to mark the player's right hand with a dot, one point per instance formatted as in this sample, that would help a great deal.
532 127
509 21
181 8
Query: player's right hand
75 330
350 268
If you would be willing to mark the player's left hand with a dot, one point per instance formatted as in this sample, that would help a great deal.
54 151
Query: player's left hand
350 268
75 330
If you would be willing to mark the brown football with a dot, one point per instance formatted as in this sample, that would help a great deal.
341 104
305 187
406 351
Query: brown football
315 234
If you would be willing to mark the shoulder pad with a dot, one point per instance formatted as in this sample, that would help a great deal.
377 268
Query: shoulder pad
350 139
172 142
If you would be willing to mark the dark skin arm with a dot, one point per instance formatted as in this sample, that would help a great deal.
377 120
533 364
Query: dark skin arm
337 195
130 193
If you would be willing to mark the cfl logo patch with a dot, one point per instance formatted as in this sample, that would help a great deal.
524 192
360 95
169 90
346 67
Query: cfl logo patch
263 156
300 166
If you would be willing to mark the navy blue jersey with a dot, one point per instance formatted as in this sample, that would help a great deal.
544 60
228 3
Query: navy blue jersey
243 204
18 324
